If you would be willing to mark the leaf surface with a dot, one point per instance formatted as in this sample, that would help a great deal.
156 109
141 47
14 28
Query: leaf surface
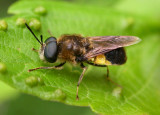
139 77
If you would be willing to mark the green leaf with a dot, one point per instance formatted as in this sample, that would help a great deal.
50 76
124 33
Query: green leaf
139 76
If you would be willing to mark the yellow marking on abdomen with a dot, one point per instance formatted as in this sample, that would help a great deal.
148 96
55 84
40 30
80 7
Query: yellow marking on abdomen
101 60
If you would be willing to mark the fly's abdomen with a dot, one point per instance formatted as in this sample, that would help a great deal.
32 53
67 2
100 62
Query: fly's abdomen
116 56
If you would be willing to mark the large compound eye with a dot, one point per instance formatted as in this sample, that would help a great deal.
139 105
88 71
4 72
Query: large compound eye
51 50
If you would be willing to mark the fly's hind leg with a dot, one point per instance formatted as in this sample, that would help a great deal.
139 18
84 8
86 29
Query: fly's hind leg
111 79
54 67
80 79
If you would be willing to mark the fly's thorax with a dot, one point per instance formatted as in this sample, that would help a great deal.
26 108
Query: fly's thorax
71 46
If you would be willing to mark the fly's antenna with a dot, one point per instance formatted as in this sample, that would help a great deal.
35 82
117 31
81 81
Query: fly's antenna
34 34
41 39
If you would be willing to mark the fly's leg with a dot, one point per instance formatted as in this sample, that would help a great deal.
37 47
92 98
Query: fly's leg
35 50
80 79
54 67
111 79
50 33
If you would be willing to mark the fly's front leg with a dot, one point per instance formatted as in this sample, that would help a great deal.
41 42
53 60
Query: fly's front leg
54 67
50 33
33 49
111 79
80 79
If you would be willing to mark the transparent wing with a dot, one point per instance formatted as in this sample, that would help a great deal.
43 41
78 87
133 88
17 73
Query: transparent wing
103 44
